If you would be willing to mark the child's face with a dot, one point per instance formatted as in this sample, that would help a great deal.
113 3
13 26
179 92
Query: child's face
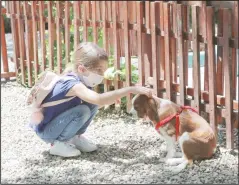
100 68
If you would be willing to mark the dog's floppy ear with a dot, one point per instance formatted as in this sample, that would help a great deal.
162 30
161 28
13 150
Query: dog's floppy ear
152 110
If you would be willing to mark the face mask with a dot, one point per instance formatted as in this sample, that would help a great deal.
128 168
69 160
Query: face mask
92 80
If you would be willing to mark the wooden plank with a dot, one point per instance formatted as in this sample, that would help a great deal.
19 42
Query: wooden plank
67 32
28 44
185 14
211 69
155 63
58 37
105 43
85 32
174 43
228 78
8 75
234 51
116 48
203 27
21 46
161 43
4 47
182 67
147 14
50 34
139 42
35 39
220 73
196 59
14 29
95 39
168 62
76 9
127 53
42 35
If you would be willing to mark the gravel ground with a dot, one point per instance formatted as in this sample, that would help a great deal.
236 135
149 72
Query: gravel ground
129 152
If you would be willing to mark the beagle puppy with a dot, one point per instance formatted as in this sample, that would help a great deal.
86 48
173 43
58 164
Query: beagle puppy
195 136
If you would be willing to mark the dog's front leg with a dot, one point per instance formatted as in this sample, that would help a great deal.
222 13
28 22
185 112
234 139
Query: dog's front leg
170 147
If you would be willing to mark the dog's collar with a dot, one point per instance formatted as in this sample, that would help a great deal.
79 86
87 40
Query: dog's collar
169 118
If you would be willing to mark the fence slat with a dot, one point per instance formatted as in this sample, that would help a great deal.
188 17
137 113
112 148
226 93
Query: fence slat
155 63
185 43
228 78
203 29
174 43
67 31
139 39
4 47
116 48
76 9
14 29
234 51
94 22
58 37
182 75
127 53
42 35
50 33
28 44
168 62
105 42
21 43
212 69
196 59
220 73
147 14
85 29
161 43
35 39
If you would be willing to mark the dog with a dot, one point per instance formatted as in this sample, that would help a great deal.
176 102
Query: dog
173 122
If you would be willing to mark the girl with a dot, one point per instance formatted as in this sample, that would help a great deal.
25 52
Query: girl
64 124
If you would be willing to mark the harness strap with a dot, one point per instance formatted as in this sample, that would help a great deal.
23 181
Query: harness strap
169 118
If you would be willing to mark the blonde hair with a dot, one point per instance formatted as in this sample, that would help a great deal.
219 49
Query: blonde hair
87 54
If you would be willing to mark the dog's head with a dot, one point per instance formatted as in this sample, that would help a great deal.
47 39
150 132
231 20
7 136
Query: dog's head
144 107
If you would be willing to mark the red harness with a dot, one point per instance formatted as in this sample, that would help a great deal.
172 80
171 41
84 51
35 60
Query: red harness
168 119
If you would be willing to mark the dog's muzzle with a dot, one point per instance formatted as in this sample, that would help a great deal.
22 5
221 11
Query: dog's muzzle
133 112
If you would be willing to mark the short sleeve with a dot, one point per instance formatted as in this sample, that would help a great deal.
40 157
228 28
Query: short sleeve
61 89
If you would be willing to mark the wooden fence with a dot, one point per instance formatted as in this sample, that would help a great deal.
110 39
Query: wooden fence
162 35
4 58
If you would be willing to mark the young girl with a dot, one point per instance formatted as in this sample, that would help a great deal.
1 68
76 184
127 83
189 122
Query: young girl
64 124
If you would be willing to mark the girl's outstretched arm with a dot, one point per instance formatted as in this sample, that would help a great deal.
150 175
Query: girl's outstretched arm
108 98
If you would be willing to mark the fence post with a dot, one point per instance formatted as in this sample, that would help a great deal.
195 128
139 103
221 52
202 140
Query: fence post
228 79
127 53
196 59
212 68
3 43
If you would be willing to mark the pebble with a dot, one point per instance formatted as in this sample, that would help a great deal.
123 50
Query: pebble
129 152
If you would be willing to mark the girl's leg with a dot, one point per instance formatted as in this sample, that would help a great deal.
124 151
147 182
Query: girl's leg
66 125
93 110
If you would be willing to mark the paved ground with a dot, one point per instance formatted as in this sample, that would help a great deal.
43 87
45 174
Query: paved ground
129 152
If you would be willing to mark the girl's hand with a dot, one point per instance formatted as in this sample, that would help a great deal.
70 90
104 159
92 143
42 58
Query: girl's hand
142 90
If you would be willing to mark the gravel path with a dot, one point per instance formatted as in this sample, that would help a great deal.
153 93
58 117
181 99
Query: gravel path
129 152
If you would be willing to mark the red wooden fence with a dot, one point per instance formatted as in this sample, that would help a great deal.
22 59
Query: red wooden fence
159 33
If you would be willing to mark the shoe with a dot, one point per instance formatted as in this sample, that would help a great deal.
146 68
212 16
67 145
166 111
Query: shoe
83 144
64 149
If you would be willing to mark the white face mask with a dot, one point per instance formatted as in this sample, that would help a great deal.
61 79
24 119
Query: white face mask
92 80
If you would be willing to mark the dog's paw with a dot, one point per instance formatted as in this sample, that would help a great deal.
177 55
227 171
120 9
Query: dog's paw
178 154
174 161
173 170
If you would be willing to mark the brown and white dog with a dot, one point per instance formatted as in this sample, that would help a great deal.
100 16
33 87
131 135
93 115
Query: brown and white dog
196 137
